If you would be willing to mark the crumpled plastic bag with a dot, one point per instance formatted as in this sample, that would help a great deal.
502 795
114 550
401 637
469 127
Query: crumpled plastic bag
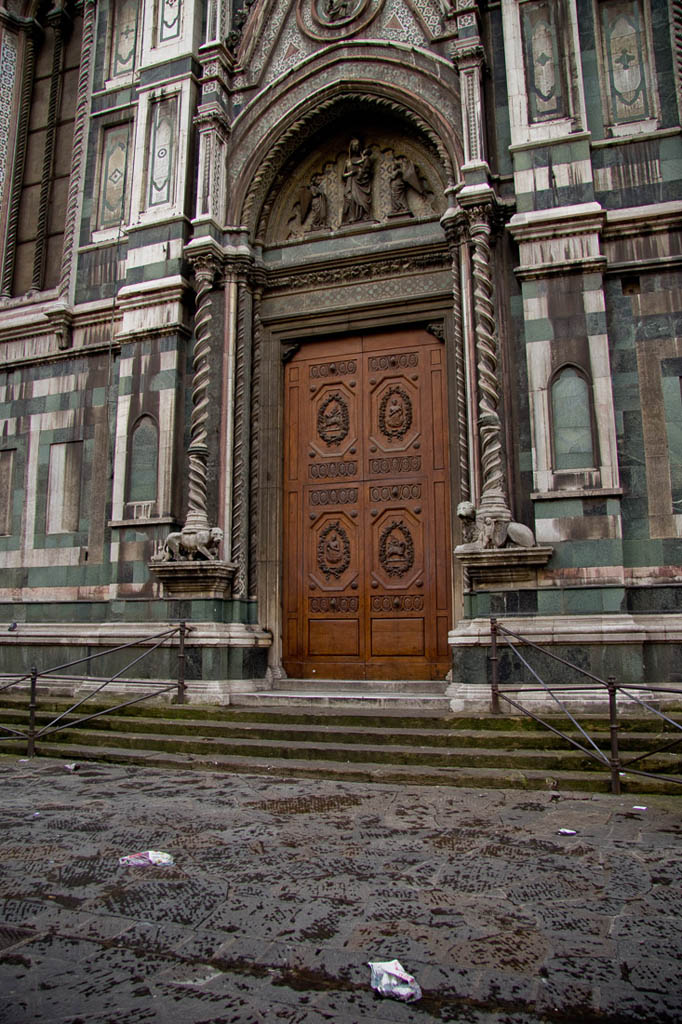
389 978
147 857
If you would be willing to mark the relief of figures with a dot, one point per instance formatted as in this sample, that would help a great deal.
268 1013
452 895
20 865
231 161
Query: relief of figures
362 184
358 173
403 177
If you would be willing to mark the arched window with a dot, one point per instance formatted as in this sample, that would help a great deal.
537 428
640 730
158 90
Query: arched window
143 461
572 423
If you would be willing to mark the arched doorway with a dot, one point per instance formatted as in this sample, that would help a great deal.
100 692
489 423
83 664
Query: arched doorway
354 326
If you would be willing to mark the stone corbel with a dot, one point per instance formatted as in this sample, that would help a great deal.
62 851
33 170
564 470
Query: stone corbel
61 319
190 563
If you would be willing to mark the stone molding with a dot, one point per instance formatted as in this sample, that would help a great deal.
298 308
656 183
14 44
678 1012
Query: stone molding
559 240
504 568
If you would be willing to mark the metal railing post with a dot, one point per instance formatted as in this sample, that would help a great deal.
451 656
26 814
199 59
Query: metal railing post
32 707
181 664
613 727
494 676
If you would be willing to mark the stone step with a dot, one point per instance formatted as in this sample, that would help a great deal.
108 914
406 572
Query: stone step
470 777
368 687
335 750
358 731
342 698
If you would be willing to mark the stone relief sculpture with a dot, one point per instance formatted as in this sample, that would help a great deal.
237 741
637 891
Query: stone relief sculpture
318 205
357 175
403 176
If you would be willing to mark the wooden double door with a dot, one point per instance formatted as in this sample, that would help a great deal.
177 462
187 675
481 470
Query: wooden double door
367 552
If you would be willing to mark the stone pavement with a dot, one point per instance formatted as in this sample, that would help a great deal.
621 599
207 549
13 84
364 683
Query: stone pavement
283 890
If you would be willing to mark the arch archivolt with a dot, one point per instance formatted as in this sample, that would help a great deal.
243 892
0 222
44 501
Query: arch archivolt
290 118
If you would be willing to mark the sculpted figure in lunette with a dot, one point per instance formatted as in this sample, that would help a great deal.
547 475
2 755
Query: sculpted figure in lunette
357 184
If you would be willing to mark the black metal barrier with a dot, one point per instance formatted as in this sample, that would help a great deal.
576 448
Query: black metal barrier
614 761
57 724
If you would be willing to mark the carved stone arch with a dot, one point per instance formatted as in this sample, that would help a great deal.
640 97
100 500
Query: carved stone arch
321 121
293 123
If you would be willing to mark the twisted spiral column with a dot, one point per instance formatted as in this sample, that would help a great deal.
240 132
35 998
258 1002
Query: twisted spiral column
256 359
197 504
242 424
493 489
19 159
75 179
455 233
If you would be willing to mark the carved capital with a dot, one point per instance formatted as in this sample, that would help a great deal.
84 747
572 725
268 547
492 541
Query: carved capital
211 117
455 224
466 54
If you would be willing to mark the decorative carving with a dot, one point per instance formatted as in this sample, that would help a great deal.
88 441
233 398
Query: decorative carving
189 546
396 549
405 464
360 270
341 369
403 176
392 603
437 329
333 550
343 496
395 413
334 604
357 175
322 470
401 360
331 12
327 20
333 420
239 18
402 492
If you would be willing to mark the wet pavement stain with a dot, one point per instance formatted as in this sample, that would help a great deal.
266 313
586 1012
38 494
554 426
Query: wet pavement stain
282 890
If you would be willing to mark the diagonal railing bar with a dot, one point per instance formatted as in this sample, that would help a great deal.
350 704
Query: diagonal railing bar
549 654
599 756
15 680
109 650
106 682
559 702
58 723
14 732
48 730
649 753
655 774
614 762
650 707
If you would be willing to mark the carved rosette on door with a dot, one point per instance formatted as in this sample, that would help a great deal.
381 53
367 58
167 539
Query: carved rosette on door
366 545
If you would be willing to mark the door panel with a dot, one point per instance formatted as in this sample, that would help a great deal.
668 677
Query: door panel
367 540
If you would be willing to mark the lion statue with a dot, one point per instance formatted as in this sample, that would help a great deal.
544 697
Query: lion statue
189 545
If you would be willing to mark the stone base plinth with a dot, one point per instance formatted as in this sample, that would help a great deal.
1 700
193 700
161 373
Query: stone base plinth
190 580
502 568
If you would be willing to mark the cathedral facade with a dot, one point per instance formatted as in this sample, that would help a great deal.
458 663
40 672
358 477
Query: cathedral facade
335 327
